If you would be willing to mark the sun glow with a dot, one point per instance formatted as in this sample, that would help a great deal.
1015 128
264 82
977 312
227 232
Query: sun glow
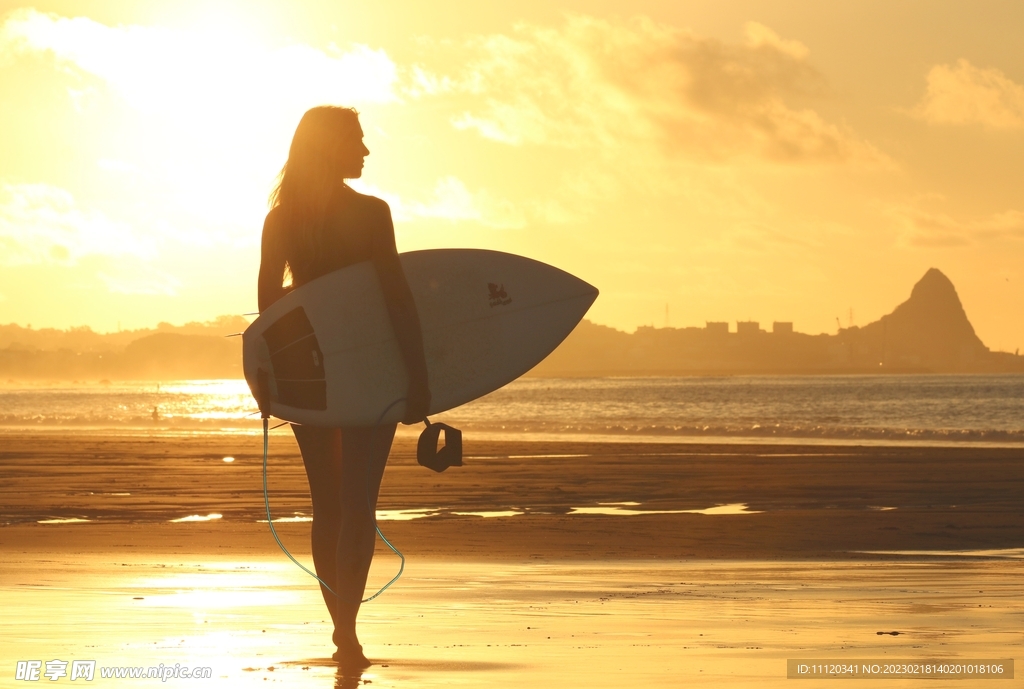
198 122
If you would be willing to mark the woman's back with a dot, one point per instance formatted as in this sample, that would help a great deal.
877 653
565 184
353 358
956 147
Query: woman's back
356 228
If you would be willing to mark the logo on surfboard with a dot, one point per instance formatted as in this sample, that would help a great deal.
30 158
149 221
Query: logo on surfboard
498 295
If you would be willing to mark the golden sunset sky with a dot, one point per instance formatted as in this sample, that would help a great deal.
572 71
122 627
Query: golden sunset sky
782 160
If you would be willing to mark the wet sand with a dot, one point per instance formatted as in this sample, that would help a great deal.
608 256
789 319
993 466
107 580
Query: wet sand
547 597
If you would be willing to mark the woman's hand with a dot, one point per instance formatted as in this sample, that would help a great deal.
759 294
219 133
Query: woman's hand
417 402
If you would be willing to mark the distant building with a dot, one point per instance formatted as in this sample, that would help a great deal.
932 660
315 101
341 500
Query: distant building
782 327
747 327
719 328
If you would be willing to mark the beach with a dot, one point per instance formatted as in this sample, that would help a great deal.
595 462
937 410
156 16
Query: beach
719 295
547 562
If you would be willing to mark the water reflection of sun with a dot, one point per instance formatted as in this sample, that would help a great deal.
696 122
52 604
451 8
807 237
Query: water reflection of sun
220 586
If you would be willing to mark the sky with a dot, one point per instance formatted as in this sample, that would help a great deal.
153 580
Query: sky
695 160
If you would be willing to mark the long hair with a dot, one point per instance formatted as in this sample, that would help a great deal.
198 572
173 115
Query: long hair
310 175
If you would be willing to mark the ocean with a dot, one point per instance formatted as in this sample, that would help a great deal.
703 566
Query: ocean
890 409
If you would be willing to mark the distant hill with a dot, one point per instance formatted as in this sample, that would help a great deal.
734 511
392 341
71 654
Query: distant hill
84 339
167 352
930 332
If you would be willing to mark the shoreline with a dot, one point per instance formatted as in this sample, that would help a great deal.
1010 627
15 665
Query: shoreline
868 372
186 431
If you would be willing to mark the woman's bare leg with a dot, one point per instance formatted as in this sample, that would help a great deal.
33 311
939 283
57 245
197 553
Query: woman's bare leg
321 455
364 454
344 481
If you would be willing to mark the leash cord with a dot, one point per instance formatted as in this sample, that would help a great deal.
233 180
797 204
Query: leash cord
369 506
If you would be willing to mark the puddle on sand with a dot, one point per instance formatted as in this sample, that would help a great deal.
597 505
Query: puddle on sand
73 520
495 513
1004 553
615 509
619 510
545 456
405 515
197 518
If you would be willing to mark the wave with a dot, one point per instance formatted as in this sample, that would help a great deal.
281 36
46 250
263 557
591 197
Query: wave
760 431
100 421
775 431
893 409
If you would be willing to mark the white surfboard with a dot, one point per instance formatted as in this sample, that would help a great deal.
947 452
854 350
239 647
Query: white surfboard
332 359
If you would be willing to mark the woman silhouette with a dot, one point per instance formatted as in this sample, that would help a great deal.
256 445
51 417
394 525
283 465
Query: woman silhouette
317 224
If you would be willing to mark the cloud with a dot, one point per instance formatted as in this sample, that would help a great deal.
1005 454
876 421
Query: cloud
43 224
759 35
452 200
133 279
204 117
932 228
965 94
605 85
157 68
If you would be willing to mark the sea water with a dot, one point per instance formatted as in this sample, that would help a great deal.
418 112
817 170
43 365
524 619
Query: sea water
933 409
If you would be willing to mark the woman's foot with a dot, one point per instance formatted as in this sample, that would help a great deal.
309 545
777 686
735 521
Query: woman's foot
350 657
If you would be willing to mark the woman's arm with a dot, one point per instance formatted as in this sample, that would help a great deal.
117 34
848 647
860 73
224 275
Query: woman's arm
404 317
272 263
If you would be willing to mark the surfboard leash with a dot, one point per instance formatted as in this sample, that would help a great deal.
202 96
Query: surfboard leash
270 519
369 506
373 512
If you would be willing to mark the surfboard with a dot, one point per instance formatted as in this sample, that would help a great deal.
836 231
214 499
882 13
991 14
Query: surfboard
331 358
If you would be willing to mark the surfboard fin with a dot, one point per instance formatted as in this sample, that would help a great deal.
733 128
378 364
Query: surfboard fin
450 455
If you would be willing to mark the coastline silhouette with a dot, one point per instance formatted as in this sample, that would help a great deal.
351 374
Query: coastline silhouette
929 333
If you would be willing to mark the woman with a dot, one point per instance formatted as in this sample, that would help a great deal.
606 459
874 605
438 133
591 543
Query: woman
317 224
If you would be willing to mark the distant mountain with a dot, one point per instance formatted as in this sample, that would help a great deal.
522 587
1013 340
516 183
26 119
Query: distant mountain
929 332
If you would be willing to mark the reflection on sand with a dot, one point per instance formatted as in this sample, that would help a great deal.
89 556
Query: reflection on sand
405 515
559 456
621 509
218 586
197 518
502 625
492 513
71 520
1003 553
614 509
